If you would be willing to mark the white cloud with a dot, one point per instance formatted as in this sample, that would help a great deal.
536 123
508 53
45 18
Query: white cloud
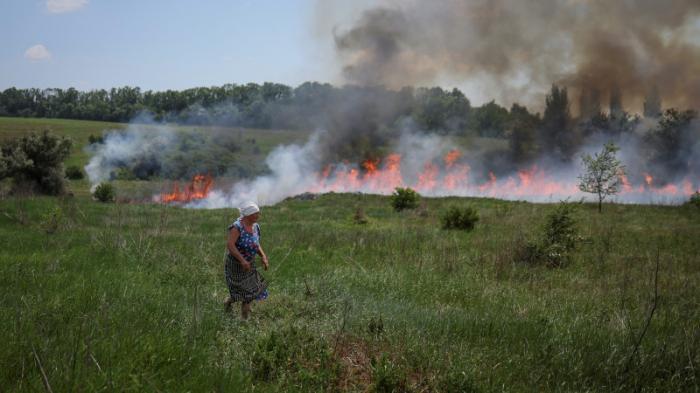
37 53
61 6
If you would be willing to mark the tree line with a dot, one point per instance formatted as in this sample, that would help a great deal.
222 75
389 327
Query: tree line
360 116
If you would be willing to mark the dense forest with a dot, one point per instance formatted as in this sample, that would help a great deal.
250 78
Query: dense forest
274 105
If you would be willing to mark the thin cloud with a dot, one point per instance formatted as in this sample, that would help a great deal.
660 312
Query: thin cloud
37 53
61 6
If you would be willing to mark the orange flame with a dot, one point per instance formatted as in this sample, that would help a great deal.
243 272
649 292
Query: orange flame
451 157
451 176
199 188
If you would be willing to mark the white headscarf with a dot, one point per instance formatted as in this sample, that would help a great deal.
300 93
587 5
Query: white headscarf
248 209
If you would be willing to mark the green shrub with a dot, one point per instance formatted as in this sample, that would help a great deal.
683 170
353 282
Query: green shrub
404 198
74 172
92 139
459 218
35 162
104 192
556 241
560 236
694 200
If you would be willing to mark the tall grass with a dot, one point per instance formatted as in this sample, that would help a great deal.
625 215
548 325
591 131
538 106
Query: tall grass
129 297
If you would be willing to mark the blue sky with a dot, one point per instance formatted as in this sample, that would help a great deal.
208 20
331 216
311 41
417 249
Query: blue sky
163 44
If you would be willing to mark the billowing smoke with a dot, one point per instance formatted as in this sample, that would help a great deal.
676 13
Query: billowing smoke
515 50
138 148
434 166
292 172
148 150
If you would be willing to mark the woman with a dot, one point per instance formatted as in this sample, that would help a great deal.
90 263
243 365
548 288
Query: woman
244 282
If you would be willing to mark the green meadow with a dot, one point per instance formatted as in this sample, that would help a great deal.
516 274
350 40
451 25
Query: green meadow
129 296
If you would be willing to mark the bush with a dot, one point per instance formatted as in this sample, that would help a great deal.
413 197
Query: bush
74 172
460 218
92 139
404 198
560 235
553 246
104 192
694 200
35 161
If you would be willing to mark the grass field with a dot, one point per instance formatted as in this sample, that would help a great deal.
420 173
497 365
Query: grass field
128 297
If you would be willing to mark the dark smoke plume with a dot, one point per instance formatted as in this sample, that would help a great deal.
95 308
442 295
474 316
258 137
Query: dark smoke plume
518 48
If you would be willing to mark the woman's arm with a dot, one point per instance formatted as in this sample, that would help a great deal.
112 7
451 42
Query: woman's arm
233 235
265 261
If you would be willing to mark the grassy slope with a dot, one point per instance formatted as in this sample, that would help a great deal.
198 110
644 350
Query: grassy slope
129 296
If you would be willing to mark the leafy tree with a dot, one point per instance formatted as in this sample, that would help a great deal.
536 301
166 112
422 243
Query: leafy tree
672 140
603 174
489 119
522 134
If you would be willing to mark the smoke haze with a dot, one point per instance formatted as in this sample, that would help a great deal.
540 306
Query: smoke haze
516 49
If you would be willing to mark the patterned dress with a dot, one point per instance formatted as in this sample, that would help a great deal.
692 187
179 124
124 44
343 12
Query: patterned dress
245 286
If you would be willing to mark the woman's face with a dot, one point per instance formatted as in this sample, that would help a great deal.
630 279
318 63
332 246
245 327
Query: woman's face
253 218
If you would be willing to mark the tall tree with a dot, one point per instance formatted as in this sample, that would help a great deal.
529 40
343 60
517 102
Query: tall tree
522 134
589 103
557 134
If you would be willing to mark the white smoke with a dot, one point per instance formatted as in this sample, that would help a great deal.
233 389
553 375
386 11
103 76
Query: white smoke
296 169
121 147
293 170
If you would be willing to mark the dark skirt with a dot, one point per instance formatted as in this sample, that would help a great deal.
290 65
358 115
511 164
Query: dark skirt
244 286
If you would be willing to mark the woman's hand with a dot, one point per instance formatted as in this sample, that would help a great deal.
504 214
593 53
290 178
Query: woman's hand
265 262
246 265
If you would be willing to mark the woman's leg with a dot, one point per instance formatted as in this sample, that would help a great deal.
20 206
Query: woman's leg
227 304
245 310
